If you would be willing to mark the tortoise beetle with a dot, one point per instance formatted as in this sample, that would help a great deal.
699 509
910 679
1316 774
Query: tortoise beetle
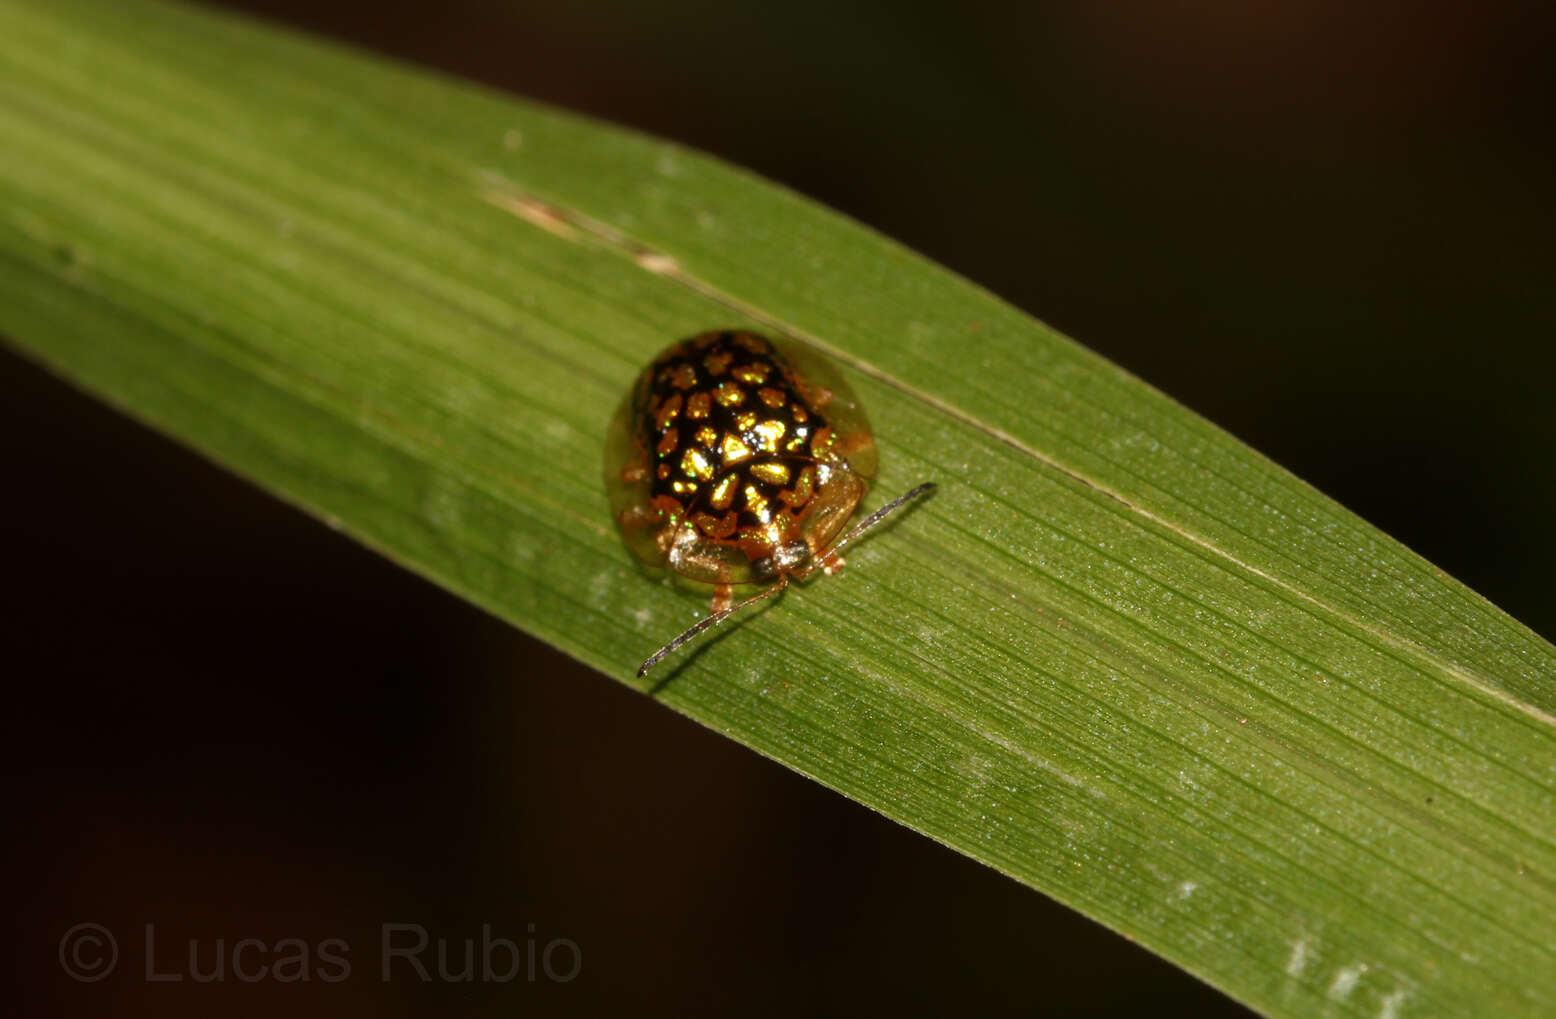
735 461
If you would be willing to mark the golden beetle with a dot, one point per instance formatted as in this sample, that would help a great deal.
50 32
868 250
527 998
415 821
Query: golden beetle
734 461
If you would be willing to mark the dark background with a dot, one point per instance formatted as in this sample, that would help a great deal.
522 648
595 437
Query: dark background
1326 226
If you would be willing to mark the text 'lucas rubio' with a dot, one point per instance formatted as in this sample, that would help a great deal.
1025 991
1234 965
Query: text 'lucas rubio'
403 951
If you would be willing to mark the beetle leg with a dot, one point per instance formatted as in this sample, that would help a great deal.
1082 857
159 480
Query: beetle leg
723 598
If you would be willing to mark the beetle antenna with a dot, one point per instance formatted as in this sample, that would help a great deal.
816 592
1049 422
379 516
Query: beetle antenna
874 518
707 624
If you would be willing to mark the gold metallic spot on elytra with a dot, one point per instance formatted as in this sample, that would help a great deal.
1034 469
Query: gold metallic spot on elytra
756 504
684 376
799 413
707 436
774 398
723 492
729 394
717 363
734 449
663 472
750 341
753 374
667 442
745 420
698 406
680 487
768 434
803 489
695 465
771 472
667 412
